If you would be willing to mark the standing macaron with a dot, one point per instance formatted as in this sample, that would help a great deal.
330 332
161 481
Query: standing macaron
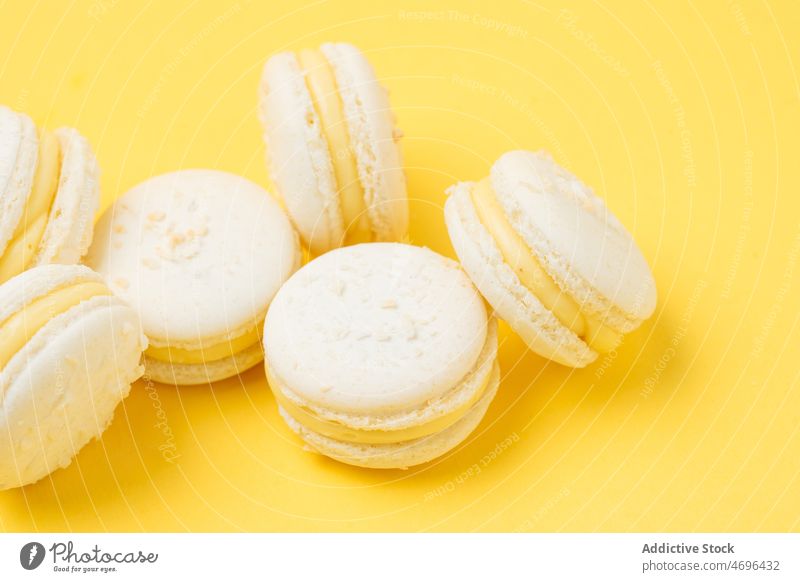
69 351
550 258
199 254
48 194
381 355
332 147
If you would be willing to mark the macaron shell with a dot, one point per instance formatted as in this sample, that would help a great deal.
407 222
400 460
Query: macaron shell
196 374
400 455
577 240
370 123
61 389
297 154
199 254
68 233
467 390
499 284
10 135
375 328
19 150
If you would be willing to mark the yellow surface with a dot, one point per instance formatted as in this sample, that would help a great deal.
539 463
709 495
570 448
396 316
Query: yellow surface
215 352
336 430
26 239
521 258
324 91
683 116
22 325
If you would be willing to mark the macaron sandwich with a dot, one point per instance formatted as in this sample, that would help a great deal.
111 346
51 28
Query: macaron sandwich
332 147
69 351
48 194
381 355
198 254
550 257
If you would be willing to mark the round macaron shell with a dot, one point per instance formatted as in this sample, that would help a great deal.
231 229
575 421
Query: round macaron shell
375 329
10 135
60 390
576 238
298 155
370 123
69 229
19 150
199 254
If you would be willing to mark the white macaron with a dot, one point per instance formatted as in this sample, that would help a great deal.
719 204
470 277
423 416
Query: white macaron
381 355
199 254
48 194
69 351
332 147
550 257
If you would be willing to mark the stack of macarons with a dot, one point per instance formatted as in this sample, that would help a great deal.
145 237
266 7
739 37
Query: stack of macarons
379 354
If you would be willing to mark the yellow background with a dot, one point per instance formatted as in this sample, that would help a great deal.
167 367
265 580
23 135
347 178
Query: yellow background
683 115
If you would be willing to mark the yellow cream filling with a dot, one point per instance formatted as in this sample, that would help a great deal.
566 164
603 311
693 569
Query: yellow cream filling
21 326
25 241
531 274
309 419
214 352
321 84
